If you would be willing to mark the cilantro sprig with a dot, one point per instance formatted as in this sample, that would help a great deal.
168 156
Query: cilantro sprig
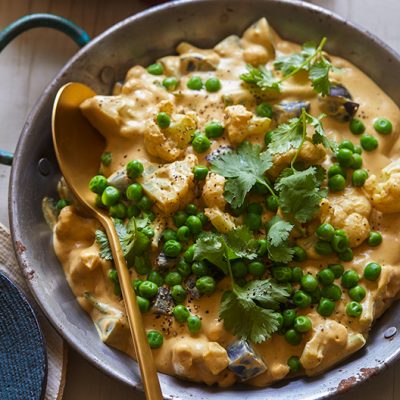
310 59
250 311
242 168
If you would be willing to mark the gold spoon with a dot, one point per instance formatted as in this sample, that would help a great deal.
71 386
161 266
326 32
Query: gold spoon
78 148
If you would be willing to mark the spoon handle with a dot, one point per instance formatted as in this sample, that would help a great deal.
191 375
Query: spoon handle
143 352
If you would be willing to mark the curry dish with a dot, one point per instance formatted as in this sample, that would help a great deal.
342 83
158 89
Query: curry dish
255 188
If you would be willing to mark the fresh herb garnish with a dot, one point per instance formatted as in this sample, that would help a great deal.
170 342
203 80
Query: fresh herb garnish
249 311
278 240
261 77
243 168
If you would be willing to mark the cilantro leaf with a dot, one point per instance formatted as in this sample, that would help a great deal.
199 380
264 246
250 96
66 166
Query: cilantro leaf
286 136
278 241
300 194
126 234
319 133
319 76
243 317
289 64
261 77
242 168
242 242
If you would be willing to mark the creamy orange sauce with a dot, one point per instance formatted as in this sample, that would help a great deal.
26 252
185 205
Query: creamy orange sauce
126 120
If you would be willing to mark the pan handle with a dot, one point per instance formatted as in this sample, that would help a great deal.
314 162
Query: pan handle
39 21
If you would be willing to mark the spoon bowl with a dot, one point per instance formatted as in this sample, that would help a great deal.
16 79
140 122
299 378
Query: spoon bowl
78 147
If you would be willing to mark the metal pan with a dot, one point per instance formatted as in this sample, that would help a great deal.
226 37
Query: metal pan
141 39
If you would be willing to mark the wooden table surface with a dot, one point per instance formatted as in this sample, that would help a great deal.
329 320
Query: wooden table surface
27 65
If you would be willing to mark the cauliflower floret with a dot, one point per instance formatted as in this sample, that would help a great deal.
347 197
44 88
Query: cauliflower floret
348 210
256 54
384 192
241 123
213 191
169 143
260 34
170 185
309 153
222 222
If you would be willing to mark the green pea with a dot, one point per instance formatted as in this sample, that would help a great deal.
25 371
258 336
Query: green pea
293 337
272 203
180 218
200 268
173 278
141 244
332 292
206 285
155 69
257 268
337 269
326 276
372 271
136 283
350 279
172 248
297 274
337 183
282 273
194 83
347 144
156 278
309 283
357 293
191 209
357 149
201 143
357 161
145 203
194 323
368 142
359 177
268 138
64 203
148 289
113 277
325 307
178 293
194 224
264 110
181 313
163 120
325 232
144 304
202 217
323 248
374 239
239 269
183 268
169 234
134 169
279 318
344 157
253 221
106 158
213 85
289 317
301 299
142 265
149 215
346 255
183 234
299 254
315 295
188 255
262 247
110 196
134 192
340 243
255 208
294 364
214 130
302 324
170 83
383 126
98 183
118 210
357 127
155 339
336 169
354 309
133 211
148 231
200 172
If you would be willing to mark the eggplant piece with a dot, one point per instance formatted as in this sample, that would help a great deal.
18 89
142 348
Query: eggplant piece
164 302
119 179
191 62
164 263
284 111
191 288
244 361
339 104
218 152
